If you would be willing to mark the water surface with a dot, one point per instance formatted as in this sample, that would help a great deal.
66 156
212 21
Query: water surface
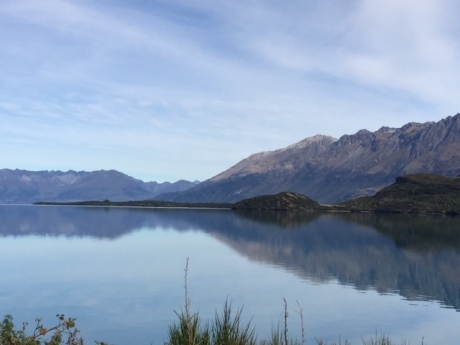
120 271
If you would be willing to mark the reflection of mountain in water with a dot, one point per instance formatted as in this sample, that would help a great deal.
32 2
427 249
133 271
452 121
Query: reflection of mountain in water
348 247
417 232
417 257
99 222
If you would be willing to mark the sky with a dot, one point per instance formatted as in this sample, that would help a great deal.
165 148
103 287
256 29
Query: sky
164 90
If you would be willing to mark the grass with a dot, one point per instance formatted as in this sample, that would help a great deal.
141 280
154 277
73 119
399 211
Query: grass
227 328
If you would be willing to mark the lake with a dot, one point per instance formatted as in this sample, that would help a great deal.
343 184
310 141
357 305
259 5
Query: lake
120 271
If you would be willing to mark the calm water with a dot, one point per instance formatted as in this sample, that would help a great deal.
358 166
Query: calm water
120 272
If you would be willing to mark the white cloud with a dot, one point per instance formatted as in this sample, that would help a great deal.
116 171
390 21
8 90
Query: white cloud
181 82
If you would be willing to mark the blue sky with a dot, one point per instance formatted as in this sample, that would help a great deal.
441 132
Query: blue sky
170 89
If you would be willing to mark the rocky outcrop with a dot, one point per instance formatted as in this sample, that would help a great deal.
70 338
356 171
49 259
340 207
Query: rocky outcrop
330 170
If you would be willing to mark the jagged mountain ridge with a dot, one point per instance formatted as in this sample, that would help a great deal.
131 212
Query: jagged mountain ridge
23 186
331 170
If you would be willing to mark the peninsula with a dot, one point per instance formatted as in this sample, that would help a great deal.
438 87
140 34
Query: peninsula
416 193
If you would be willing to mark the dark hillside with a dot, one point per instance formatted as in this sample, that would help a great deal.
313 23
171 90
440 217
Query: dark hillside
417 193
280 202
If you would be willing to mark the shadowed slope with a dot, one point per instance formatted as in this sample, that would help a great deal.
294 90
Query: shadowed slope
418 193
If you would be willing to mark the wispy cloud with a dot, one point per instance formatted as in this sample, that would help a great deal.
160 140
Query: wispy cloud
177 89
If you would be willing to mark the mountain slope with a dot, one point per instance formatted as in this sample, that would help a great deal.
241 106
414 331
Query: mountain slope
330 170
22 186
417 193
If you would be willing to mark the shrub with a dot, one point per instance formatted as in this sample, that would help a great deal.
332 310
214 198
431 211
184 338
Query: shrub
62 333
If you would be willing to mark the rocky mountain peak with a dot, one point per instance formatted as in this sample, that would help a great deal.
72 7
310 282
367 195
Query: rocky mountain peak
386 130
286 159
318 139
330 170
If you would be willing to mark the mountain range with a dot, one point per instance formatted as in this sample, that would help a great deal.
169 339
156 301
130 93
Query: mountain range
331 170
22 186
323 168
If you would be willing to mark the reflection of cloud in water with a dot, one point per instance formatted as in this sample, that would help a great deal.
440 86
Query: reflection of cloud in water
417 257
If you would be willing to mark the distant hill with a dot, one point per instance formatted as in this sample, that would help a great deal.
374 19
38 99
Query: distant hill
331 170
280 202
418 193
23 187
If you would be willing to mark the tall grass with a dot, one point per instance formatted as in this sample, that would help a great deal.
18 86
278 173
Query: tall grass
228 329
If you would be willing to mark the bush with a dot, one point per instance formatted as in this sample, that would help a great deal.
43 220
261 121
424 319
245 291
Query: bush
62 333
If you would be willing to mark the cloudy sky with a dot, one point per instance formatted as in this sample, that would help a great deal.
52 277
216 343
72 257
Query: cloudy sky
172 89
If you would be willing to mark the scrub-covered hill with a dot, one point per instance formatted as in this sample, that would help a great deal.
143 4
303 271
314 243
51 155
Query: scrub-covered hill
417 193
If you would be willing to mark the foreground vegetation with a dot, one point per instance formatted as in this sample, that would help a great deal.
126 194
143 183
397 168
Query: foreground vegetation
227 328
